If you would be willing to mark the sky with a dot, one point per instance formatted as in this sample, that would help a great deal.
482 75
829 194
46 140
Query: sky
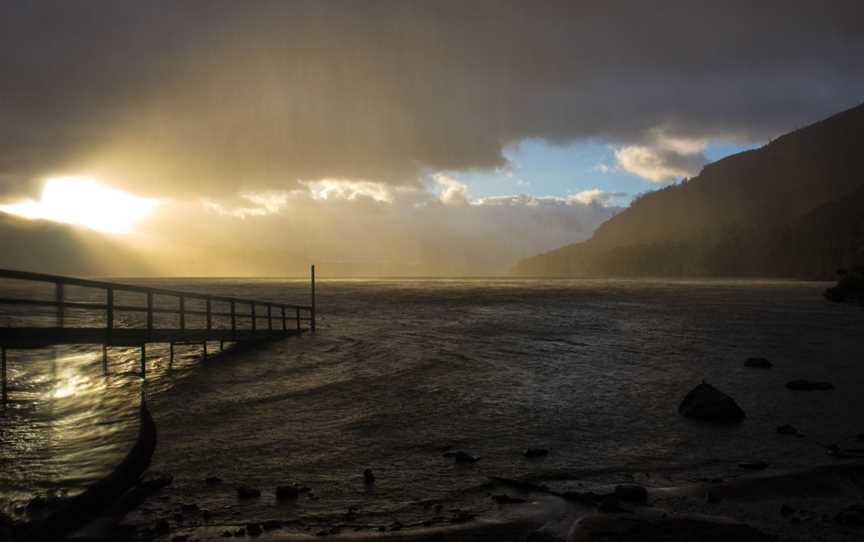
449 137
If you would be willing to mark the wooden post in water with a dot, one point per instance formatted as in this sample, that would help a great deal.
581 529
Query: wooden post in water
143 360
182 312
61 309
3 370
312 310
209 315
109 313
149 313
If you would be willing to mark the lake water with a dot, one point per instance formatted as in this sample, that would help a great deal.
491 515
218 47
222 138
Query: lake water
591 370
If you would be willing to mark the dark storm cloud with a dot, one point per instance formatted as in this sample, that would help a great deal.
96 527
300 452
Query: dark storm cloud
217 97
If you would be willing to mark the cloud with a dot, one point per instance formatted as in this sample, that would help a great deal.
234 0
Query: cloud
595 195
453 193
216 98
417 227
664 158
603 168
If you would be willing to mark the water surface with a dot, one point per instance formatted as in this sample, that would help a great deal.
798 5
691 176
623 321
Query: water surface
591 370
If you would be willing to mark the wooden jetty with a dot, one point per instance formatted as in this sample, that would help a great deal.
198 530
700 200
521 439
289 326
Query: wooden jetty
220 318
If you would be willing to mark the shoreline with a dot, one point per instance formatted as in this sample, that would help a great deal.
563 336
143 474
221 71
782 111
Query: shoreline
824 502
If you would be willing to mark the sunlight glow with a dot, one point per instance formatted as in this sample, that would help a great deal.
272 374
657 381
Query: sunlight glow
84 202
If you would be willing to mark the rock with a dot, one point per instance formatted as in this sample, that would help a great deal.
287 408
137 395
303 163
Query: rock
287 493
758 363
852 516
461 457
213 481
162 527
248 492
253 529
368 477
665 527
507 499
705 402
609 505
532 453
631 492
189 508
271 525
544 536
786 429
809 385
754 465
461 516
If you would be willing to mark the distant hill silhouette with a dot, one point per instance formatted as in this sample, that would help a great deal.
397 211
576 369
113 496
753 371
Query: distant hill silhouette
49 247
793 208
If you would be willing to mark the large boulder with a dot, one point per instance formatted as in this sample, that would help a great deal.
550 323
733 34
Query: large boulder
705 402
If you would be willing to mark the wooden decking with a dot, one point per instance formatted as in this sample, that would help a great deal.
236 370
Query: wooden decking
38 337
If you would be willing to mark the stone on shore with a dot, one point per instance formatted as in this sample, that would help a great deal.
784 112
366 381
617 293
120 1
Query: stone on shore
705 402
754 465
631 492
287 493
758 363
461 457
668 527
786 429
809 385
532 453
507 499
248 492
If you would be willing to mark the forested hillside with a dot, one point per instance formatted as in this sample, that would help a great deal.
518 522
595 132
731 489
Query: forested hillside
793 208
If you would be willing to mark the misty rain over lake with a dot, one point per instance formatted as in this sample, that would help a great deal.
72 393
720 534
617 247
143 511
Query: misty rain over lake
431 270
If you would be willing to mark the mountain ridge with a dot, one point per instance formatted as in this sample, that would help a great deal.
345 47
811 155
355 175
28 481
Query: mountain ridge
739 216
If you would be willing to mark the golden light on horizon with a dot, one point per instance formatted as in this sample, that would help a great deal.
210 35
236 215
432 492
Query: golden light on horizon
83 201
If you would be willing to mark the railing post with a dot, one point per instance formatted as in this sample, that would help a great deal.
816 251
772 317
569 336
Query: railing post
253 314
149 312
3 376
269 316
182 312
143 360
297 311
233 321
109 312
312 310
61 309
284 326
209 317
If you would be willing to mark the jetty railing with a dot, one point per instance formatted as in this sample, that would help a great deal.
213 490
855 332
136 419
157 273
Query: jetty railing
278 319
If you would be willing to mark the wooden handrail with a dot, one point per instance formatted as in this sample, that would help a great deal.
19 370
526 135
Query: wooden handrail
87 283
110 307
